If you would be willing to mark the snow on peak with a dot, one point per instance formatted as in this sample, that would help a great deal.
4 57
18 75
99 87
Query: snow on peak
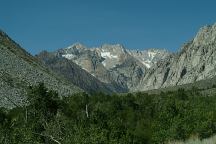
113 55
148 57
148 65
68 56
108 55
152 55
104 63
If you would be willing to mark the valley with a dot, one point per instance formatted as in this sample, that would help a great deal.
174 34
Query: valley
115 94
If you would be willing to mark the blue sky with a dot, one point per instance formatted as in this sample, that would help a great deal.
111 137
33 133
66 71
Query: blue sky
137 24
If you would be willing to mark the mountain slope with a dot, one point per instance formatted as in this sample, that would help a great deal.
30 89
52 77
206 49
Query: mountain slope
18 69
149 57
196 61
74 73
113 64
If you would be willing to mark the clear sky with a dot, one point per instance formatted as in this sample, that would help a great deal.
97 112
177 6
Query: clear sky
137 24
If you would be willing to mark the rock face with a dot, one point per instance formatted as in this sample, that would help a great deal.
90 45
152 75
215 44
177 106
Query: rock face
113 64
18 69
74 73
195 61
109 68
149 57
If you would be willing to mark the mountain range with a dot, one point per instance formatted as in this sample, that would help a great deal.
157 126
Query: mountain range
108 68
113 65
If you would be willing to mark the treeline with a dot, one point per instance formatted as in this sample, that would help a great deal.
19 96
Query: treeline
136 118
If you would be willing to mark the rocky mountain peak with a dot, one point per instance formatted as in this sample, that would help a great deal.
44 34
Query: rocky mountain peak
116 48
77 46
150 56
194 62
205 36
113 54
112 63
72 51
113 45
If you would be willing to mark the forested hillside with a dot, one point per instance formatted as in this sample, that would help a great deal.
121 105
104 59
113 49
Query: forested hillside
102 119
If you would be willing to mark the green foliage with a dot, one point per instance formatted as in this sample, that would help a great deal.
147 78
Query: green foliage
103 119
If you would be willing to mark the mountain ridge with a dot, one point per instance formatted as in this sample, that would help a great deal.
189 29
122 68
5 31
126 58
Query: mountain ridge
74 73
108 68
151 68
108 62
194 62
19 70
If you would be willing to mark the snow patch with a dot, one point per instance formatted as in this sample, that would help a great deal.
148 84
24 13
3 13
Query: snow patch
108 55
68 56
84 69
151 54
113 66
146 64
92 74
104 63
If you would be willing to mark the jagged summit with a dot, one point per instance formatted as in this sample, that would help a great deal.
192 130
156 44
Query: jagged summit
77 45
113 46
113 63
150 56
113 66
112 55
149 68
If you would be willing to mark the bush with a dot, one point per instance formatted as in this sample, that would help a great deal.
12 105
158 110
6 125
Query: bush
99 118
